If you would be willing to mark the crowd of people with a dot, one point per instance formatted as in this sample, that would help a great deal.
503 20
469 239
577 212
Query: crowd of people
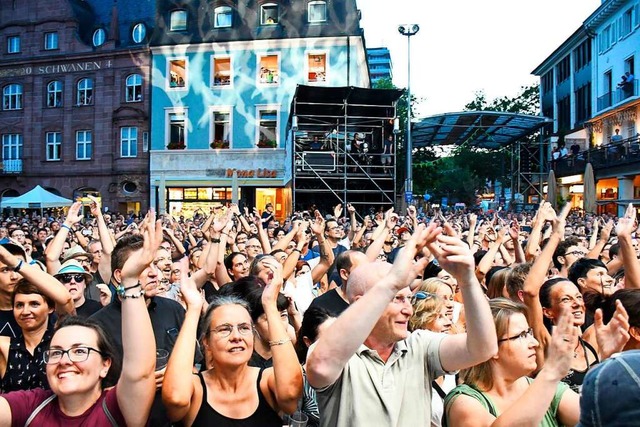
239 318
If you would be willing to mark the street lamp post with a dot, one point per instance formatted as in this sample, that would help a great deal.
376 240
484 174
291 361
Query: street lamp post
409 30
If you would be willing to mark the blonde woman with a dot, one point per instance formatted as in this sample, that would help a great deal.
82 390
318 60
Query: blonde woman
430 313
454 310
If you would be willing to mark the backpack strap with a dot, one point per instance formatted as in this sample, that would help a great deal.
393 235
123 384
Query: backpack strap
38 409
108 414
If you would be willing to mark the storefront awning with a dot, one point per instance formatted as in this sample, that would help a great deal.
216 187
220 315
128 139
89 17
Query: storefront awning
483 129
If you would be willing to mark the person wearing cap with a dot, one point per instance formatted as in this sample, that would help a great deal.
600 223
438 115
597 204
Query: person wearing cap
404 234
75 279
611 392
33 297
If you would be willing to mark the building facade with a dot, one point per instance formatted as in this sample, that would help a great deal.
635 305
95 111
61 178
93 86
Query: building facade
380 66
224 76
590 88
75 99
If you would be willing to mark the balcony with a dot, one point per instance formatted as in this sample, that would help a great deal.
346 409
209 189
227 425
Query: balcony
613 154
618 95
12 166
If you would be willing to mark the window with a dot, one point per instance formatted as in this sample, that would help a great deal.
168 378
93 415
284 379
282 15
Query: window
268 128
317 11
129 142
133 88
627 22
546 82
269 14
99 36
83 145
138 33
176 137
12 146
269 73
13 44
53 142
317 67
54 94
85 92
222 72
221 134
582 55
12 97
564 113
223 17
178 21
50 41
583 103
177 73
563 69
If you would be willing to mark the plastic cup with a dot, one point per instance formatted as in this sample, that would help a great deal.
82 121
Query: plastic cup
162 357
298 419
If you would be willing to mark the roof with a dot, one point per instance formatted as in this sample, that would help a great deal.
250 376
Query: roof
317 108
483 129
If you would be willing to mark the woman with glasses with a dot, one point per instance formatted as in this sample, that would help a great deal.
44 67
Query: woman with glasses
500 392
80 363
430 313
230 392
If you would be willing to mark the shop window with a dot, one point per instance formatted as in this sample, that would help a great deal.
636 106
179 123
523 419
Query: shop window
53 145
129 142
177 73
54 94
99 37
269 72
51 41
83 145
176 137
222 75
133 88
12 146
268 128
12 97
84 94
13 44
139 33
317 64
269 14
317 11
223 17
178 20
221 135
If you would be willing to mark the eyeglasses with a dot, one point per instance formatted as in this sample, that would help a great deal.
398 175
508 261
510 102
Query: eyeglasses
521 336
253 246
66 278
76 354
83 261
420 295
226 329
338 227
577 253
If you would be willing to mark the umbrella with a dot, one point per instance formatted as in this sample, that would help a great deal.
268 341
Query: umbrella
589 190
551 189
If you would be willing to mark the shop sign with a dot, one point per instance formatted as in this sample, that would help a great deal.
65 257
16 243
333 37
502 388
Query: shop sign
69 67
252 173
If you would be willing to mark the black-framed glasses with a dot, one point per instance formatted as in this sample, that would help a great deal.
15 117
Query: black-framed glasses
66 278
577 253
421 295
521 336
226 329
76 354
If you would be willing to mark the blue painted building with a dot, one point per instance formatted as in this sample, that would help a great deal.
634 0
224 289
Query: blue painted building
223 78
380 66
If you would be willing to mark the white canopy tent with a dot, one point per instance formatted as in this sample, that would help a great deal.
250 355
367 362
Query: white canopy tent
38 198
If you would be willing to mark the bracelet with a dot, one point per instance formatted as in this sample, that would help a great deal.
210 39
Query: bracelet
18 267
120 290
214 240
279 342
134 295
68 228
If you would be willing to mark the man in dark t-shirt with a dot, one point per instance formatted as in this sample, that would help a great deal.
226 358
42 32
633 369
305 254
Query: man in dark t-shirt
74 277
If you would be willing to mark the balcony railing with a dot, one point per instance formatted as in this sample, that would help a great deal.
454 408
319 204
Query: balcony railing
618 95
613 154
12 166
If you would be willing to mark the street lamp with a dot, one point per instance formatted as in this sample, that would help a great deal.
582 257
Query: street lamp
409 30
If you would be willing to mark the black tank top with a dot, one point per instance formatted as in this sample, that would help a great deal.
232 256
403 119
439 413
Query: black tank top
25 371
575 378
264 416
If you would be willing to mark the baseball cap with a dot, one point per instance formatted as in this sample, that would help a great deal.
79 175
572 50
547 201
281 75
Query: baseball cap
611 392
401 230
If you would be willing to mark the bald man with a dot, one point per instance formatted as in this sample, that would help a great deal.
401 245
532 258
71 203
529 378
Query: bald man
367 368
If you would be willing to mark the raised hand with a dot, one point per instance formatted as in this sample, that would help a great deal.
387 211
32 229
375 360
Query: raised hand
452 254
105 294
514 230
317 226
189 289
559 221
390 219
613 336
94 206
627 224
405 269
337 211
74 216
561 346
351 209
152 234
272 290
411 211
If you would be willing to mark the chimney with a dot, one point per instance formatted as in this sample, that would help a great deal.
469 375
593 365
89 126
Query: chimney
114 31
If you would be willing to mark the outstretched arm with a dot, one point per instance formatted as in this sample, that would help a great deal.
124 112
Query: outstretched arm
54 249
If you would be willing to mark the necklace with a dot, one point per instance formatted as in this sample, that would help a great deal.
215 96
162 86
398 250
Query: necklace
575 350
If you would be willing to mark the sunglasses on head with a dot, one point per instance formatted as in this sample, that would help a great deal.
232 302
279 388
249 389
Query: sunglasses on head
420 295
66 278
